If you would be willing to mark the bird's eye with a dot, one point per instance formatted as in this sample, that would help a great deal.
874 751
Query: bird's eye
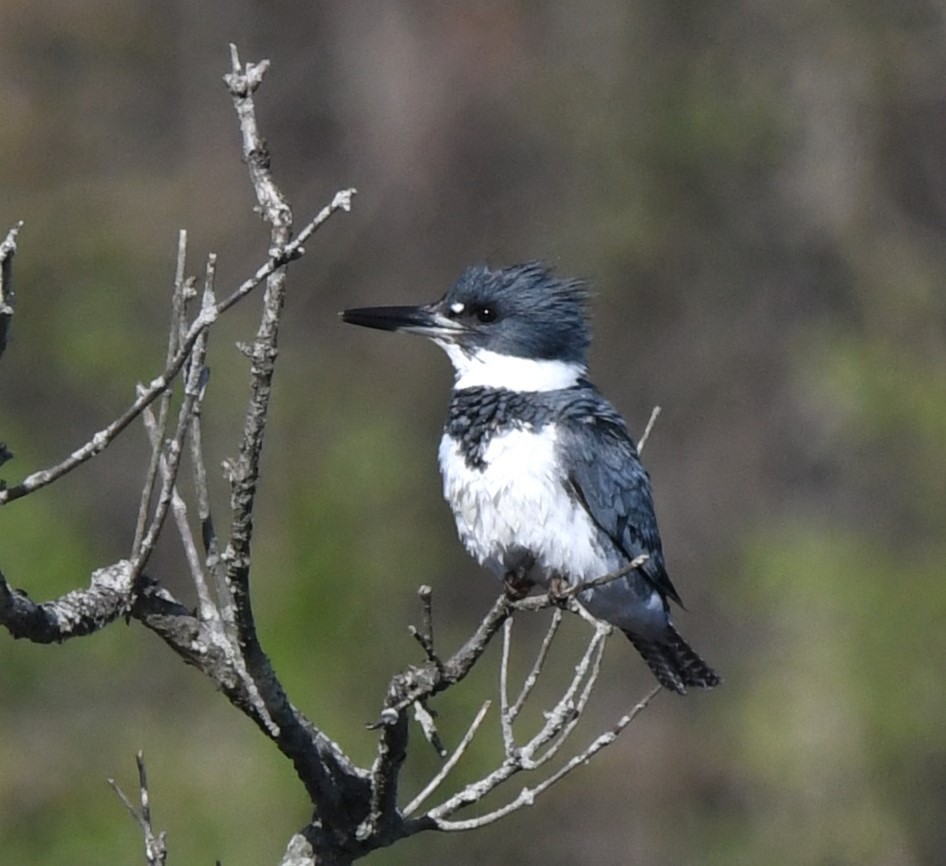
485 314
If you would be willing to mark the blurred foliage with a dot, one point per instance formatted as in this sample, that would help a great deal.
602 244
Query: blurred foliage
758 192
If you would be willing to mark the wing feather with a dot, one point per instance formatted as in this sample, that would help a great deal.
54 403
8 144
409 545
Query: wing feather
605 473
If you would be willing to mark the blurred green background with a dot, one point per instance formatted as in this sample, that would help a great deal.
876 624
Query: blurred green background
758 193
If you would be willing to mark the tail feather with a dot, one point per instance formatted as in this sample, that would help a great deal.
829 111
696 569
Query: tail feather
674 663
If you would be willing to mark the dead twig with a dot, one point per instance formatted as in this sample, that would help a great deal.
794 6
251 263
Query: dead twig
450 763
7 297
527 796
655 413
148 394
155 845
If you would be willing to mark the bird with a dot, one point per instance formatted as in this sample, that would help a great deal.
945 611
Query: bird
544 480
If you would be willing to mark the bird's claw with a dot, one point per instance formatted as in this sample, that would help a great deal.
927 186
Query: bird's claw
516 585
558 591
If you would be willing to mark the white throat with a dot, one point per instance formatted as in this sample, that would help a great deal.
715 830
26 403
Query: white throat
485 369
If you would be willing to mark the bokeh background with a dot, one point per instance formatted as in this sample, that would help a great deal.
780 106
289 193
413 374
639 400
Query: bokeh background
758 193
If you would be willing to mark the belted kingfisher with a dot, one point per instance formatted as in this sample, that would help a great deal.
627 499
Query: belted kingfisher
542 475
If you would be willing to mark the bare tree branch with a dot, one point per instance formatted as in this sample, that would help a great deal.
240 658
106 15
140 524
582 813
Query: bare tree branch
7 297
146 396
450 763
355 809
425 637
655 413
533 675
383 817
179 510
193 388
420 683
525 757
564 717
155 846
178 318
617 574
527 796
336 786
75 614
505 715
244 473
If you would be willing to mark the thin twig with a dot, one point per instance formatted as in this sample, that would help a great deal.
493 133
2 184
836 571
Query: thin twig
7 297
208 610
160 423
425 718
147 395
202 488
212 560
420 683
175 447
560 722
566 709
293 250
575 708
533 676
425 637
650 426
155 846
610 577
450 763
505 718
528 795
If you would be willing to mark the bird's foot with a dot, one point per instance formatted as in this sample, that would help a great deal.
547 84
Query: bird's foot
558 591
516 585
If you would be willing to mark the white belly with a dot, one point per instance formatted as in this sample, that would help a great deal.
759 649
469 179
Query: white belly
518 504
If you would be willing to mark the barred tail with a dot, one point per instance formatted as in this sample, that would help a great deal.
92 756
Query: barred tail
674 664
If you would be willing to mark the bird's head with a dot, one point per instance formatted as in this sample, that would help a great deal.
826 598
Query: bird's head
519 327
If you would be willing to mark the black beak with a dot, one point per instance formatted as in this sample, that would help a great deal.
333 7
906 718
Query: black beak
426 320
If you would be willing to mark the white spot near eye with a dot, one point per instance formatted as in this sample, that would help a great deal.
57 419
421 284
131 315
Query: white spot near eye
457 308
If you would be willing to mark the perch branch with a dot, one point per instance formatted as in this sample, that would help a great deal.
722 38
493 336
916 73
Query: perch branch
527 796
420 683
564 717
617 574
521 758
450 763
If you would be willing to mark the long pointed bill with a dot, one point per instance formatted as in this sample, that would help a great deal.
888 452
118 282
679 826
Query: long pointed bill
425 320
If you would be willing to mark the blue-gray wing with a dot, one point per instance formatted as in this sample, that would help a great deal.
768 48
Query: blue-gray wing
605 473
